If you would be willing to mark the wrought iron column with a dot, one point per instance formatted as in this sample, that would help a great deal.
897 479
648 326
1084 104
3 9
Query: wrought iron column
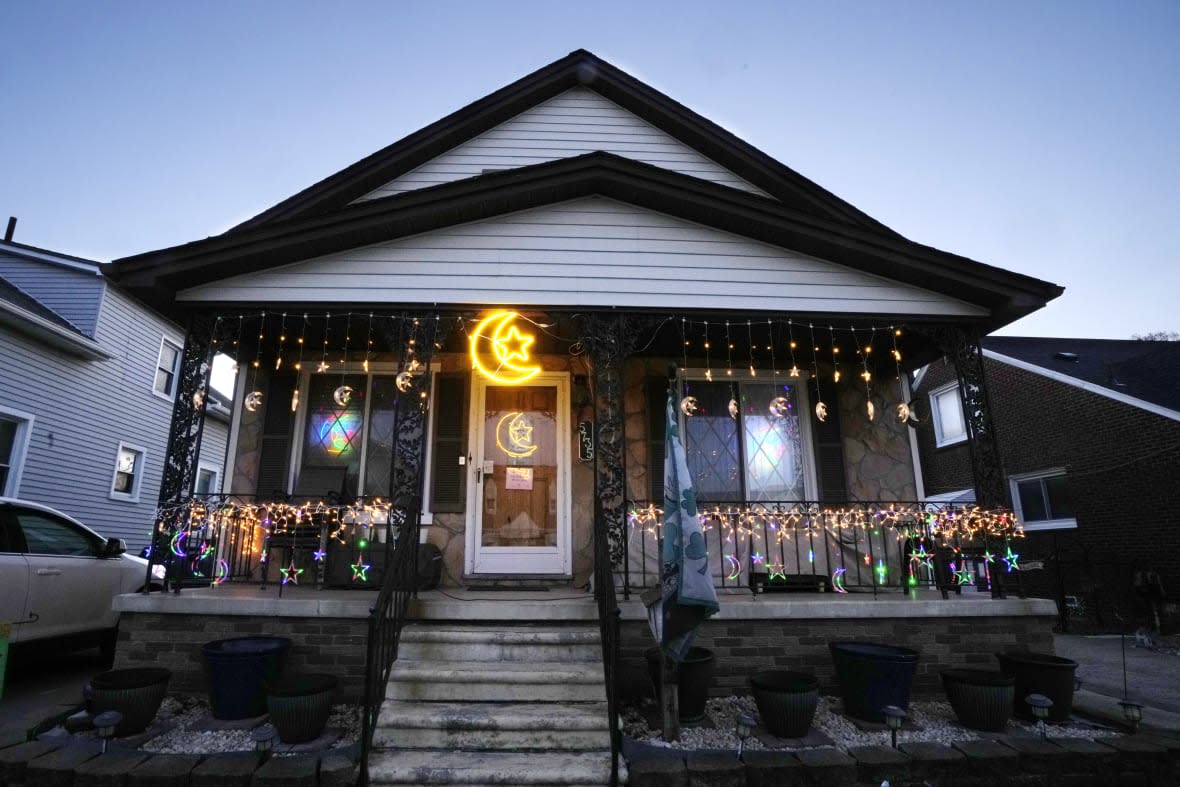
965 350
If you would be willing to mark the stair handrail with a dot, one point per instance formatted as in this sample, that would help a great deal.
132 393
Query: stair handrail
608 622
386 618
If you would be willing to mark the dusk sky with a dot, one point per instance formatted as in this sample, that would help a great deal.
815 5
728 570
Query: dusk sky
1040 137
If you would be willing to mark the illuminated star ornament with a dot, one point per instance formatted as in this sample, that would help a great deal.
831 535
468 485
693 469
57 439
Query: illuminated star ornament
963 575
319 555
757 559
513 345
360 569
988 556
291 574
777 570
1011 559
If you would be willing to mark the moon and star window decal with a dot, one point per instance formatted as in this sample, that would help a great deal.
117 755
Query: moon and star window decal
514 435
500 349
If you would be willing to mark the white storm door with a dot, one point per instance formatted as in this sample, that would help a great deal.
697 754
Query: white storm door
518 506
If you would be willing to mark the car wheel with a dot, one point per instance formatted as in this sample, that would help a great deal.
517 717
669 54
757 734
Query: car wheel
107 642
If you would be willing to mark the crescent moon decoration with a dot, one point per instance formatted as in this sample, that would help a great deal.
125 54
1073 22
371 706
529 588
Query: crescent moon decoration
519 434
221 572
175 544
342 395
779 407
253 401
498 336
404 381
733 408
689 406
821 411
199 398
735 566
906 414
838 580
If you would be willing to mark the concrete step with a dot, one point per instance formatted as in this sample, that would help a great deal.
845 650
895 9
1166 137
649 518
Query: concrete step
487 643
472 769
483 681
506 607
493 725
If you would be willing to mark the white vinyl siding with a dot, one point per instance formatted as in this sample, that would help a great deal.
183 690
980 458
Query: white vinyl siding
75 295
574 123
946 407
586 252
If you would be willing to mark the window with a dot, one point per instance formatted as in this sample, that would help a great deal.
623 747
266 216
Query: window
167 369
756 455
947 408
206 481
1042 500
14 439
46 535
128 473
347 441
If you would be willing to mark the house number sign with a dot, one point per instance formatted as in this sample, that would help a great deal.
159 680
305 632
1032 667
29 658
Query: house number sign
586 441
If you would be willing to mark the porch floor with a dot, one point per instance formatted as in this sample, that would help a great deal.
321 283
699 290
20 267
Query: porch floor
568 604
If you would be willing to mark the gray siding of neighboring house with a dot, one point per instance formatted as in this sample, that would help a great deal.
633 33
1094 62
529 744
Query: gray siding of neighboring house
74 294
586 252
214 438
573 123
84 409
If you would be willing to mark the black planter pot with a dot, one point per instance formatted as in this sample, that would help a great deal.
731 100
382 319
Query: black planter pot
299 705
981 699
136 693
873 676
1040 673
696 675
786 701
238 670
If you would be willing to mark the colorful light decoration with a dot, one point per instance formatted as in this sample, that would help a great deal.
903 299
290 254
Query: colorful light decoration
838 580
360 569
221 573
735 567
776 570
319 555
519 434
291 574
175 545
498 336
335 430
1011 559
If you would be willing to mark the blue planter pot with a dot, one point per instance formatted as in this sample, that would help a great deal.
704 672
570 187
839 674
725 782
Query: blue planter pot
238 670
873 676
786 701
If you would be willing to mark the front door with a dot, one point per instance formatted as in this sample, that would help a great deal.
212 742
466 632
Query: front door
518 508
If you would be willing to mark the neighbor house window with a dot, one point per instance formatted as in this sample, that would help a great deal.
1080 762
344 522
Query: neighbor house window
167 369
1042 500
206 481
14 439
128 473
947 408
755 455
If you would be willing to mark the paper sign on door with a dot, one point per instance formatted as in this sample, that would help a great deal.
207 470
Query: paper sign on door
519 478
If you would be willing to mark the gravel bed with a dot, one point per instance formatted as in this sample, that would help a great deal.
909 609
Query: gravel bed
930 720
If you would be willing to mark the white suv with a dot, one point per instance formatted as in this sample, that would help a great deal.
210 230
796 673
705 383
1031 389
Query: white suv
57 577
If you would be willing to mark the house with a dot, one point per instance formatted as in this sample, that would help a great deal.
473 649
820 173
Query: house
483 326
1089 436
87 384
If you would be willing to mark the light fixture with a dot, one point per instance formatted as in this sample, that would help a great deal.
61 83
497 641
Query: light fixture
1040 705
1133 713
105 723
894 718
264 738
743 725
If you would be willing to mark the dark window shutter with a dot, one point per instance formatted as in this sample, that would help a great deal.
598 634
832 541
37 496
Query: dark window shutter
657 401
275 449
829 458
448 476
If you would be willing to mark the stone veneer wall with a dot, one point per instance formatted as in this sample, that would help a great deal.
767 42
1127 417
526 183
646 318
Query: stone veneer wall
743 647
878 462
332 645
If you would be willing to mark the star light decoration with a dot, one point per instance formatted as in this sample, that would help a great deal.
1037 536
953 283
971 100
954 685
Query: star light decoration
319 555
291 574
1011 559
360 569
922 558
963 575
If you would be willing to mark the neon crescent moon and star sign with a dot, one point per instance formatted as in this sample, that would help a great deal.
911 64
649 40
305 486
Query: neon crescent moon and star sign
500 350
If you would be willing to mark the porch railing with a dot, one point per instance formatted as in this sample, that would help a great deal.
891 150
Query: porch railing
864 546
386 618
608 622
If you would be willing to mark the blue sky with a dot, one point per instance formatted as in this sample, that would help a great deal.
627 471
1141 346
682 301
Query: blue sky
1041 137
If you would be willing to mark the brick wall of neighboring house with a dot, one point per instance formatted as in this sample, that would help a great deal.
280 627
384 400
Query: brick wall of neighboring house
1123 469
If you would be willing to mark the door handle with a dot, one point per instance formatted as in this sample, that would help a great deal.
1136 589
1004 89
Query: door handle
48 572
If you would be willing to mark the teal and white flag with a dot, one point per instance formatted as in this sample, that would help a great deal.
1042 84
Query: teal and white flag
688 596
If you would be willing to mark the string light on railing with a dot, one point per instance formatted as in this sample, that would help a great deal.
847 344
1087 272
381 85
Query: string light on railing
254 399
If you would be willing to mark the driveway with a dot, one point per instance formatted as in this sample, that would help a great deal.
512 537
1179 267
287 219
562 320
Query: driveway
1153 678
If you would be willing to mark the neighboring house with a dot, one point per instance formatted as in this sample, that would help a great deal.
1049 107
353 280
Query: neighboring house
87 382
1089 434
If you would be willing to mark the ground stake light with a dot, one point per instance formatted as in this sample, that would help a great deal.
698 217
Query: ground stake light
1133 713
894 718
264 738
105 723
1040 705
744 724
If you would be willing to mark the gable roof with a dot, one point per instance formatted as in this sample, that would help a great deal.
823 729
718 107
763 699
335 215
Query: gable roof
1142 373
24 313
157 276
579 68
